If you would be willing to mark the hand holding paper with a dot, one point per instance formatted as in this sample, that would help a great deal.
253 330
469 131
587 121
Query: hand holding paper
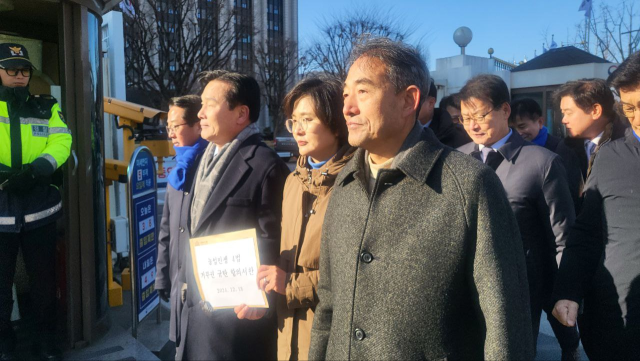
226 266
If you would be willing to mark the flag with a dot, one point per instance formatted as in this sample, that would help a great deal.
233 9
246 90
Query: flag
127 8
586 7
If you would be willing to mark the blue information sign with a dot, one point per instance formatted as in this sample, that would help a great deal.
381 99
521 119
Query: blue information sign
143 199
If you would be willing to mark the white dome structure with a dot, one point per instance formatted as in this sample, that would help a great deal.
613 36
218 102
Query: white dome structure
462 36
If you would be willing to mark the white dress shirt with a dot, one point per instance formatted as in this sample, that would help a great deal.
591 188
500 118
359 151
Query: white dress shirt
485 150
590 145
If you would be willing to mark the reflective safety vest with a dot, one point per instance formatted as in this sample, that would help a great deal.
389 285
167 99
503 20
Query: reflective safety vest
31 127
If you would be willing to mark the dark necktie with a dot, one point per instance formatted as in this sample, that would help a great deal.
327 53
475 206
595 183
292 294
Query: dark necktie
494 159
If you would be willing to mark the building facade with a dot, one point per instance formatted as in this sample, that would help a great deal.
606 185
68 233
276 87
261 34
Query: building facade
537 78
228 33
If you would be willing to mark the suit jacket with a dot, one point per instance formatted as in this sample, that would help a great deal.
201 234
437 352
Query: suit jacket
447 132
571 164
601 263
173 243
428 266
614 130
248 195
536 184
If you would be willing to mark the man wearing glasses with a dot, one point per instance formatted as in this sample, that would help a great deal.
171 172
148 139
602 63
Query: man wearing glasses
183 129
34 142
536 184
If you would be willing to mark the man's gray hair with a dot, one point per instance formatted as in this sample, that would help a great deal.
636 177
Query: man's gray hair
404 63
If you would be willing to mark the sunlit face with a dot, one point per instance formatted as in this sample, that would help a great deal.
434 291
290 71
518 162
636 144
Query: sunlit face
495 125
183 133
455 114
630 100
220 125
579 123
317 141
371 106
527 128
18 80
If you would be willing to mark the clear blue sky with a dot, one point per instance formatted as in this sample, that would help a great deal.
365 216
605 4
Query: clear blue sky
514 29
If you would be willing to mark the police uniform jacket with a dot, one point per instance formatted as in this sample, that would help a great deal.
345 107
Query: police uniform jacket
31 127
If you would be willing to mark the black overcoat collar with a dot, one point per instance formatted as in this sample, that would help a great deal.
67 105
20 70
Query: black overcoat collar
232 176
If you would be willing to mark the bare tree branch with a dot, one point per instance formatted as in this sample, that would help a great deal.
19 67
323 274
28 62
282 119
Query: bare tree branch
339 34
612 28
277 64
168 42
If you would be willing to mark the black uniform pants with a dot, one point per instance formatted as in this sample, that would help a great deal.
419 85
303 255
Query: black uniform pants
38 251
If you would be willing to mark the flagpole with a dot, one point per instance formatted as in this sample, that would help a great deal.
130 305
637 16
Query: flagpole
587 24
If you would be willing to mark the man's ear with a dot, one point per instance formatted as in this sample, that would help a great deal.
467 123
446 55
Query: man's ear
411 100
541 122
243 115
432 101
506 108
596 111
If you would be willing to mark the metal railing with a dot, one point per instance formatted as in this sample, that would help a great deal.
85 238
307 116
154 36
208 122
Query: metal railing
503 65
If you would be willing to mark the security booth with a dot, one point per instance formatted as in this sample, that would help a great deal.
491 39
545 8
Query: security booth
63 38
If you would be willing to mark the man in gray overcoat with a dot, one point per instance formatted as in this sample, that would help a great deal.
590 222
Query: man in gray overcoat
421 257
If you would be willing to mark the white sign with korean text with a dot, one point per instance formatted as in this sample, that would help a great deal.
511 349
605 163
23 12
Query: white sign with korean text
225 267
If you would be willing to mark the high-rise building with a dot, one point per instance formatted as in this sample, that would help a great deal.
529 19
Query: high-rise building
232 30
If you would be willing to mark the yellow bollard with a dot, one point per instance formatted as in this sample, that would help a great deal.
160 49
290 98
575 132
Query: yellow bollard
126 279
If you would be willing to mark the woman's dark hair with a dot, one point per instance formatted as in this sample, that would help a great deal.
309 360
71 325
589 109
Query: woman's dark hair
487 88
326 93
586 93
450 101
525 108
627 76
244 90
191 105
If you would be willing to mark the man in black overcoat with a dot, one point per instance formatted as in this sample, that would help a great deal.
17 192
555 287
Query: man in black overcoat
601 263
238 186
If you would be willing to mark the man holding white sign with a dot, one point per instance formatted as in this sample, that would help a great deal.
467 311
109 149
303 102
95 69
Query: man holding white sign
238 186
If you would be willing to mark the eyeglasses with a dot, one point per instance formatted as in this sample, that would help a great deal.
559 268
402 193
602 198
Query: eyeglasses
629 110
478 120
14 72
456 119
303 123
174 128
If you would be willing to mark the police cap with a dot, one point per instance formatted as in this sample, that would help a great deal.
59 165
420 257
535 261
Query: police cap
13 56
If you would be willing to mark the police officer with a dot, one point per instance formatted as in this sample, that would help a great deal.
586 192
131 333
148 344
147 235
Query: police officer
34 142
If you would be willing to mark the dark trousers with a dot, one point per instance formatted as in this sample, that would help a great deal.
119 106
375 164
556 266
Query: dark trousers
38 251
609 341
